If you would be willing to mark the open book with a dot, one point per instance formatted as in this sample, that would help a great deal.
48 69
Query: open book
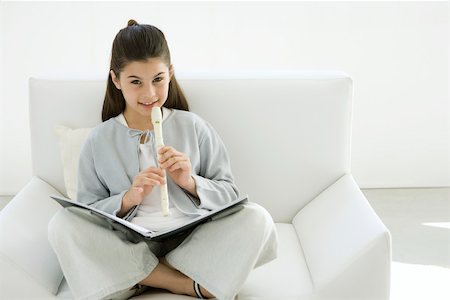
228 209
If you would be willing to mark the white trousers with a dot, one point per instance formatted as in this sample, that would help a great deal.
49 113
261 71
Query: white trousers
102 261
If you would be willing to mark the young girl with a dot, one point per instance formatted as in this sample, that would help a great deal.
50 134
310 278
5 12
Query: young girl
119 174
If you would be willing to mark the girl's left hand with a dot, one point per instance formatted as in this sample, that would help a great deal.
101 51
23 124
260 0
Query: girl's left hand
177 165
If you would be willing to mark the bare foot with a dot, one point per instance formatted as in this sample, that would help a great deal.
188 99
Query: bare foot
203 291
190 290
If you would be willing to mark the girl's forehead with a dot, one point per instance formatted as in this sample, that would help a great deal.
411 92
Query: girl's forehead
148 68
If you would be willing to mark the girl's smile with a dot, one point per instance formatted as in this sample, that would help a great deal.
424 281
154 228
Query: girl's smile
149 105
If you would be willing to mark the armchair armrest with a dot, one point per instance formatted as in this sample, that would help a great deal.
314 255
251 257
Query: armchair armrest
346 246
24 248
15 283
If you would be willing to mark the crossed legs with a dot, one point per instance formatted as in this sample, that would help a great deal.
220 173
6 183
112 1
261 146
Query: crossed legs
242 241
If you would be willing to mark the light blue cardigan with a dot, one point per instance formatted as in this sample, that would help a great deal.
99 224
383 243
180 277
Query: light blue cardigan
109 161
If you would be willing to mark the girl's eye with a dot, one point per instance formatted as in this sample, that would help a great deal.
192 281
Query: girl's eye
158 79
136 82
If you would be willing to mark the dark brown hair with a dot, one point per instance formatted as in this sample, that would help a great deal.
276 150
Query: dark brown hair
138 42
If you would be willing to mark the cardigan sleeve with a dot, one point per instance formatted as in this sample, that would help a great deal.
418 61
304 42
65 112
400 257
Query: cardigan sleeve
215 183
91 188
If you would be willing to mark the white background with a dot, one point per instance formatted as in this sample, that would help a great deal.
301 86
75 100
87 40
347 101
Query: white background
396 53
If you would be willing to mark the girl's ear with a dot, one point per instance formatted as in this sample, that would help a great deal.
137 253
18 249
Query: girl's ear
114 79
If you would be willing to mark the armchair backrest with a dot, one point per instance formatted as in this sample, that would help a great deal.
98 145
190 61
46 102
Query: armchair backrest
288 134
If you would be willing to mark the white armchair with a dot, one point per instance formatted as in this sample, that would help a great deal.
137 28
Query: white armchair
289 139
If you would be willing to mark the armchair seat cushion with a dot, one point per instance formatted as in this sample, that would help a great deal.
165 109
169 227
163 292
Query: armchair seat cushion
286 277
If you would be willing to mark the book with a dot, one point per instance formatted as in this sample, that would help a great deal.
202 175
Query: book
215 214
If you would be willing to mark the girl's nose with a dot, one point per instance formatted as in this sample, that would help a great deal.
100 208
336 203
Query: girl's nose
151 90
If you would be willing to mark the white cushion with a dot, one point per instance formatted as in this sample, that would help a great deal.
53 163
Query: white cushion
23 234
70 142
286 277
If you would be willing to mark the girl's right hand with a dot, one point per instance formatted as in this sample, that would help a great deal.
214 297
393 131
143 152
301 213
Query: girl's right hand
143 184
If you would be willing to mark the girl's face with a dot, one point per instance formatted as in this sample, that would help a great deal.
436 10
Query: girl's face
144 85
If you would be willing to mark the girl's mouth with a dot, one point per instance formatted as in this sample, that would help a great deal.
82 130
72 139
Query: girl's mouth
148 104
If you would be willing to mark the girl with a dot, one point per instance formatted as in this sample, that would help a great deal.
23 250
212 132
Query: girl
119 174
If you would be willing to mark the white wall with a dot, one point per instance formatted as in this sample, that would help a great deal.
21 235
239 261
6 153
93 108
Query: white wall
396 52
3 152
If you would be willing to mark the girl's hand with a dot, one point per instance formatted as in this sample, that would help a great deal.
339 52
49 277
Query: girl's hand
143 184
178 167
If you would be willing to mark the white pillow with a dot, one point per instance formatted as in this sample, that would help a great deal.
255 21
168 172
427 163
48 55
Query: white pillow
70 143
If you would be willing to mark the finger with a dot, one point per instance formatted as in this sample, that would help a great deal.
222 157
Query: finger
164 149
164 163
154 180
183 165
171 152
151 170
160 177
169 162
159 172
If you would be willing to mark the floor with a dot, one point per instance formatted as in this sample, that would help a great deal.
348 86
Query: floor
419 222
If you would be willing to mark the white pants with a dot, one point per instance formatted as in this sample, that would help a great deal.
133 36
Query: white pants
101 261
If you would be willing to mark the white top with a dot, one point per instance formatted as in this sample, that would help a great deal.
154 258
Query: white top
149 214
